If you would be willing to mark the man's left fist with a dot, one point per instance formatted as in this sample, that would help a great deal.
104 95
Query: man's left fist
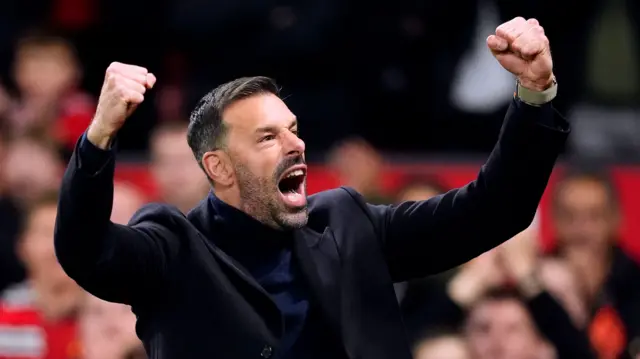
522 48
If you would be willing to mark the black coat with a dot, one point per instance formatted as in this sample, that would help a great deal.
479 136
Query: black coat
194 301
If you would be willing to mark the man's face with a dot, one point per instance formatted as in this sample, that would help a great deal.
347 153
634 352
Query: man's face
30 170
502 329
418 193
126 201
180 180
584 216
268 160
37 250
107 330
45 71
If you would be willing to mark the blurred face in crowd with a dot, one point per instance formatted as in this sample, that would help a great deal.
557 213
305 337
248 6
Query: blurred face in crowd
176 172
57 292
446 347
126 201
45 70
358 165
502 329
267 157
31 169
107 330
585 217
418 192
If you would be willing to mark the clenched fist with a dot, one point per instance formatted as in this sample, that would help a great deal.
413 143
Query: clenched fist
522 48
123 90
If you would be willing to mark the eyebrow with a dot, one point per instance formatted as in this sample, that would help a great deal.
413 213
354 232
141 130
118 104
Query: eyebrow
293 123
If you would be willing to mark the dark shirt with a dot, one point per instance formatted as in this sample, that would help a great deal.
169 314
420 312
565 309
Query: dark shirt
266 254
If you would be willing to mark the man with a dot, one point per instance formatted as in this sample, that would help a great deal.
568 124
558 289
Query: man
587 217
107 331
499 326
180 182
38 316
257 269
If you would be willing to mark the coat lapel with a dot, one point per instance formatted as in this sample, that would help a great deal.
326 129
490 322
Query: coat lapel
203 219
319 259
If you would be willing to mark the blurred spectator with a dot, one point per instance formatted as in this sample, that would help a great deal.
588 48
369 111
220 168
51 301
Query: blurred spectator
49 102
415 295
180 180
499 326
441 345
127 199
359 166
508 272
11 270
31 168
38 315
107 331
587 216
420 188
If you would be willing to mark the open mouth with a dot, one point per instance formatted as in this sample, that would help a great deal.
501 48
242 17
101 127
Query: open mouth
291 186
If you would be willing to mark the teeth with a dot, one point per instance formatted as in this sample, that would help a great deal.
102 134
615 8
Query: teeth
295 173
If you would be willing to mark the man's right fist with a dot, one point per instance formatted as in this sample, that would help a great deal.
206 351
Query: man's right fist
123 90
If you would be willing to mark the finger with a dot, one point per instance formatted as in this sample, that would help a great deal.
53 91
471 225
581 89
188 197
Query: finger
132 97
530 43
511 29
126 68
511 62
136 73
533 22
497 44
151 80
132 85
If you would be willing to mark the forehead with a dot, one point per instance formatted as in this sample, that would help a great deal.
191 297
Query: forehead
583 191
257 112
499 311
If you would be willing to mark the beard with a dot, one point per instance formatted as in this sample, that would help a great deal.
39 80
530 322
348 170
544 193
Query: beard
261 198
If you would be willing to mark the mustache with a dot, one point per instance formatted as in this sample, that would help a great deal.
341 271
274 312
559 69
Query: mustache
287 163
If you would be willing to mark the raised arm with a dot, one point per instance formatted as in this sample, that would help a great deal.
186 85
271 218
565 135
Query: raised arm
114 262
424 237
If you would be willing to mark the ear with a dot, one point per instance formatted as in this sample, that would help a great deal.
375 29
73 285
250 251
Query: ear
217 166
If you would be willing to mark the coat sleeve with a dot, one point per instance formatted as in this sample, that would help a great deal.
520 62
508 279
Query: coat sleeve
425 237
114 262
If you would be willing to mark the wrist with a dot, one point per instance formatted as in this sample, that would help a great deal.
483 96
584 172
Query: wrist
464 291
99 136
539 85
529 284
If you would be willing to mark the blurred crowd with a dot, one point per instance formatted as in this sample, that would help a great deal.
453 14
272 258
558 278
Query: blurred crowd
403 76
369 68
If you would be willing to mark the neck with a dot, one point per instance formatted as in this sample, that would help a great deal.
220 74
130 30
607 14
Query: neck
233 198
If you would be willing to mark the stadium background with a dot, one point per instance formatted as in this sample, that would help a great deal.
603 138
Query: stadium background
388 93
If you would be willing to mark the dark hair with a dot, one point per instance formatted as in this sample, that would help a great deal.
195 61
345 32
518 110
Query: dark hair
206 131
599 176
46 39
46 199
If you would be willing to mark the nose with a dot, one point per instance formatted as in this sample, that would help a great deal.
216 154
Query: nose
294 145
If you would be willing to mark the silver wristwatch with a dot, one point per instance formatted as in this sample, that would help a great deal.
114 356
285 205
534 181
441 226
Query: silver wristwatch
537 98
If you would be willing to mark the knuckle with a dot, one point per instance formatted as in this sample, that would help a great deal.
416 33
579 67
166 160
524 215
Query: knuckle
113 66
